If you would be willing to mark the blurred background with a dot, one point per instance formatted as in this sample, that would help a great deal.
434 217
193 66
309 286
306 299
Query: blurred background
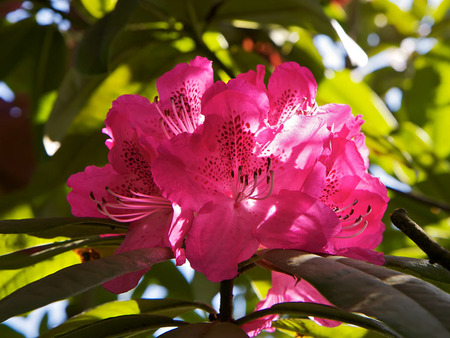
63 62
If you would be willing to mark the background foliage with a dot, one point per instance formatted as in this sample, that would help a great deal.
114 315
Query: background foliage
65 62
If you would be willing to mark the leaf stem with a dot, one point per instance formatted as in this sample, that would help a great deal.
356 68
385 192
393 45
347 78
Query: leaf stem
226 301
435 252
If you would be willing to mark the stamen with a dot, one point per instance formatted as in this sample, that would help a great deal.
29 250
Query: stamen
173 128
269 184
337 209
259 189
351 226
356 234
163 127
297 107
182 126
129 209
190 123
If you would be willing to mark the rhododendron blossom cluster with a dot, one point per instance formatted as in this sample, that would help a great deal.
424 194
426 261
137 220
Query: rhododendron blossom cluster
217 170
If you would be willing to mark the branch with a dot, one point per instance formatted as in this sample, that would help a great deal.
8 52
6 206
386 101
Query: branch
226 301
435 252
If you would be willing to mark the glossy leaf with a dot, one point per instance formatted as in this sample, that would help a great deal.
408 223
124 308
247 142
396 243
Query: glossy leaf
12 280
306 14
419 267
304 309
342 89
304 327
62 226
406 304
33 255
207 330
92 53
122 326
78 278
161 307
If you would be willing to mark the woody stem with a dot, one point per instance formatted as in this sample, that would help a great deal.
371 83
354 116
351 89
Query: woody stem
226 301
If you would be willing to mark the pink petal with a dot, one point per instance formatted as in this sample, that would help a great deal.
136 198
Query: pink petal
340 119
149 232
297 221
190 80
286 288
131 114
299 145
220 238
178 171
362 254
92 180
253 78
289 86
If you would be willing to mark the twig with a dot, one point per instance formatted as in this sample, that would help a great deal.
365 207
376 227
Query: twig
435 252
226 301
423 199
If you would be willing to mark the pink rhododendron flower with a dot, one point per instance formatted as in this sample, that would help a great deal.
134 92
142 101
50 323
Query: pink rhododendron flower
286 289
357 199
238 176
124 190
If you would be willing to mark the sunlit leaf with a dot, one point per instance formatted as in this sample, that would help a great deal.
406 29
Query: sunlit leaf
206 330
12 280
33 255
98 8
308 14
78 278
304 327
408 305
75 91
342 89
162 307
122 326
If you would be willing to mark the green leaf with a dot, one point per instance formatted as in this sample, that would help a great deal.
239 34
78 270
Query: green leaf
343 89
51 64
207 330
305 13
304 327
62 226
166 274
408 305
162 307
420 268
98 8
74 93
78 278
305 309
33 255
13 37
6 331
11 280
92 53
122 326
